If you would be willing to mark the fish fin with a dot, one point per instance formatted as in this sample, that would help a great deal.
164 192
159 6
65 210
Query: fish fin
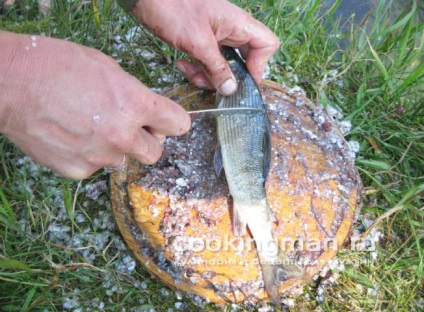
266 147
217 160
218 100
279 271
239 222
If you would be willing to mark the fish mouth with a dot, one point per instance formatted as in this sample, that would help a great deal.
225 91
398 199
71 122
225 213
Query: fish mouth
231 54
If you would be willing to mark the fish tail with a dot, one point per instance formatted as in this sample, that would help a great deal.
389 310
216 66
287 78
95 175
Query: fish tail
278 271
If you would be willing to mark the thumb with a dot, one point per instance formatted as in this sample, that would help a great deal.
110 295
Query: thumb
215 68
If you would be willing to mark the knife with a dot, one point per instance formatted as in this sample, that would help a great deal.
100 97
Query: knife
229 111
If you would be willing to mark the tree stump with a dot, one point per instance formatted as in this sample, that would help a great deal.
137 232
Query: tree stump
176 216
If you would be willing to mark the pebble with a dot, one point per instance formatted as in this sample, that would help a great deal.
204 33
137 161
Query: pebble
143 285
179 305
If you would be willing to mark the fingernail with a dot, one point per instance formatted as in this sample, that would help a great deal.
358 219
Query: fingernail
200 83
228 87
160 137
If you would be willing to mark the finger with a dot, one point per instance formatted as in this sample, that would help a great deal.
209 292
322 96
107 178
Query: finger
160 114
64 162
256 42
76 169
214 65
76 172
256 57
160 137
121 160
82 166
256 61
194 73
145 148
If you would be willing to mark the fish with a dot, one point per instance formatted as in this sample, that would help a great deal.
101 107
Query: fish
244 152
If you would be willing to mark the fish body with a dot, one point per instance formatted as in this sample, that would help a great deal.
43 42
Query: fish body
243 151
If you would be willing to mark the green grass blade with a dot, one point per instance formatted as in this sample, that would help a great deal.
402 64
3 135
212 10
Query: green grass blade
14 264
6 209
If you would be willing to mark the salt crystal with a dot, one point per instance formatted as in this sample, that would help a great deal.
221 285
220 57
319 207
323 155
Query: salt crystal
164 292
354 146
70 303
179 295
265 75
345 126
334 111
132 32
181 182
288 302
299 102
96 118
373 291
79 218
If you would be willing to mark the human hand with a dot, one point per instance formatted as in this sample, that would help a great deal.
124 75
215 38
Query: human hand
199 28
75 110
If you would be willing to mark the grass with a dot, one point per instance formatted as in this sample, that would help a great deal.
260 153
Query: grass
374 73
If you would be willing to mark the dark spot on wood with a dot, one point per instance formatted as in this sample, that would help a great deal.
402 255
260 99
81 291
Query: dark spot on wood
326 126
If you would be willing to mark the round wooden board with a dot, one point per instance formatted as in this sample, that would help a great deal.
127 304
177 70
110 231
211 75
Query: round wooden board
176 216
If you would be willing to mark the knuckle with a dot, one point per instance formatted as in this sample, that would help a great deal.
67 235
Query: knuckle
77 173
121 140
276 44
216 71
96 160
216 68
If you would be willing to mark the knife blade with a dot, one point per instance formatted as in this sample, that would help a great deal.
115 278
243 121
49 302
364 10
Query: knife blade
216 112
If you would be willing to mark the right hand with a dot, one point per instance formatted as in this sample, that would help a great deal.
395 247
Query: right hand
199 28
74 109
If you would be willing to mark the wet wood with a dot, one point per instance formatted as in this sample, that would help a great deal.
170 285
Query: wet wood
166 212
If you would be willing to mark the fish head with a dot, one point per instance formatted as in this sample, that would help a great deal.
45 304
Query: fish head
235 61
230 54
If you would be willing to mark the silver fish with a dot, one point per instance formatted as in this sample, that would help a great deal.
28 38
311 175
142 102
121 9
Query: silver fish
244 151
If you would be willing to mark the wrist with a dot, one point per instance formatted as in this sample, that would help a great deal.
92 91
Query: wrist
21 76
9 56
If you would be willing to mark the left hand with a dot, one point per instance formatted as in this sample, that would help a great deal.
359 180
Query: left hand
199 28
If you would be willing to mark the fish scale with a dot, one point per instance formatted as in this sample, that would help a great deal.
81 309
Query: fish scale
244 148
233 131
242 137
